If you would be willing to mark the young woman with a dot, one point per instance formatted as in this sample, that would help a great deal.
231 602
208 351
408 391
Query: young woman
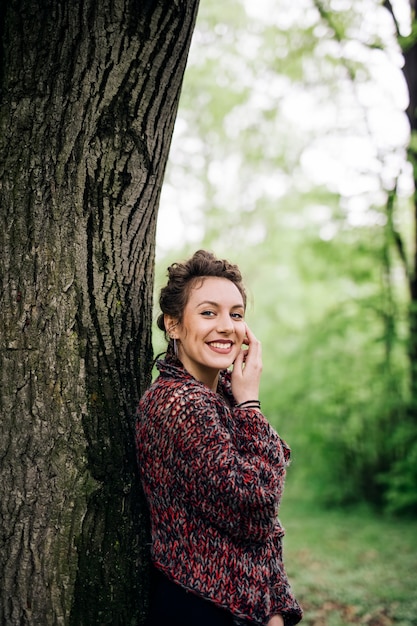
212 468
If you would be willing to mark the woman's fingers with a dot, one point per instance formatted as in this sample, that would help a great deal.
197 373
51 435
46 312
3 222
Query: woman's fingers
254 348
247 369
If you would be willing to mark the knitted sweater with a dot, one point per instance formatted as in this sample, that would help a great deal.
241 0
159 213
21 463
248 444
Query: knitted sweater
213 477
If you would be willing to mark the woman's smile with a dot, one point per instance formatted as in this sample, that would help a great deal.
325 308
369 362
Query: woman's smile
212 330
223 347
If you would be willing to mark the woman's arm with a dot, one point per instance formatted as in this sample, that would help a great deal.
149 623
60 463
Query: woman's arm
236 489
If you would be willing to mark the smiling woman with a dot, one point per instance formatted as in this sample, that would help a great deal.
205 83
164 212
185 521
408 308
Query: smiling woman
212 468
212 330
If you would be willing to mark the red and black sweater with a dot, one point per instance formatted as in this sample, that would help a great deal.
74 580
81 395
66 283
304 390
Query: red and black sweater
213 475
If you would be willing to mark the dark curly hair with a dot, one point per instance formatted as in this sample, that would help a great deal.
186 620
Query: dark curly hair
183 276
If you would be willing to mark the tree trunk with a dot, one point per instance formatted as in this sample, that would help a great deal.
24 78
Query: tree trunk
410 74
409 49
89 94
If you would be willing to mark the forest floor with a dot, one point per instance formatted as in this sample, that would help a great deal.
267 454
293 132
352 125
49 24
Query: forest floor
351 567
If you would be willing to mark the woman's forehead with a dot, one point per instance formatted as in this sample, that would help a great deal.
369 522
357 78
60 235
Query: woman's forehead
216 290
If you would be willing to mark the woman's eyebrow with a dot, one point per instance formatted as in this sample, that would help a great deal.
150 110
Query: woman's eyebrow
212 303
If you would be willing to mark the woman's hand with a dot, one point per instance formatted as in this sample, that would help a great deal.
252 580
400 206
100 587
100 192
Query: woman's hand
247 370
276 620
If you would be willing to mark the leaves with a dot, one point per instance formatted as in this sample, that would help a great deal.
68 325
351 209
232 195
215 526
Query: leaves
284 161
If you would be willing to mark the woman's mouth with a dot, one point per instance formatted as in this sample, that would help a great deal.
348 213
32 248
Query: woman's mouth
222 347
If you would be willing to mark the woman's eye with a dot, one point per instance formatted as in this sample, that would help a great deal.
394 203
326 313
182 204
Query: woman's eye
207 313
237 316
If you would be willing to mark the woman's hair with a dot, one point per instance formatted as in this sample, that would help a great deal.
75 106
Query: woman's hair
183 276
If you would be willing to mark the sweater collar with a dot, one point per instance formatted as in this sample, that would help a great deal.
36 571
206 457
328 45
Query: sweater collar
171 367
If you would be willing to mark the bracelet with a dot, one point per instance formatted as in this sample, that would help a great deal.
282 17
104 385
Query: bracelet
249 404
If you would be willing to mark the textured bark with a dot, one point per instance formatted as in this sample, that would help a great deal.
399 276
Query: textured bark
89 92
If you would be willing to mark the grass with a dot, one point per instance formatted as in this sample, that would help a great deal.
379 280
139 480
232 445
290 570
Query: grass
351 567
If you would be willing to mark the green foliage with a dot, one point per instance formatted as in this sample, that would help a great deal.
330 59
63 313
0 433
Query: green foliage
401 479
333 391
328 292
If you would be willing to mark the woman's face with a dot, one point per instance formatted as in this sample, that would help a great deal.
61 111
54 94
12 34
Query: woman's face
212 330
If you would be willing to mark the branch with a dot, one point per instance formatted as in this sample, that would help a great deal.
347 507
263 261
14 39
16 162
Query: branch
398 240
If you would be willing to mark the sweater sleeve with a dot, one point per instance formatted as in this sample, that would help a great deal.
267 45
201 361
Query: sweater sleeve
233 477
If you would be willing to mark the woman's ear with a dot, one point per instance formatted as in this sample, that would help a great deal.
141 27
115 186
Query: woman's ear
170 326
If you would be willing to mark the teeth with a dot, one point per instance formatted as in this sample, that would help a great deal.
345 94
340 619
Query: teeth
220 345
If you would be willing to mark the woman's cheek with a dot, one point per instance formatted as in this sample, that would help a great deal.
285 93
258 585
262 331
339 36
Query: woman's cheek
238 349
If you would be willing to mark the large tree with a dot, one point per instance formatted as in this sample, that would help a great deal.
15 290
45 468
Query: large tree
89 93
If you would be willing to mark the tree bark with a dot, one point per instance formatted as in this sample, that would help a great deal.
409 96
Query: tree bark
89 93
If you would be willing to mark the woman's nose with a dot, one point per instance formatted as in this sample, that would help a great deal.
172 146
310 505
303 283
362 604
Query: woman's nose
225 324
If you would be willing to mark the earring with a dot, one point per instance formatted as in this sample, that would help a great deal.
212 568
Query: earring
174 345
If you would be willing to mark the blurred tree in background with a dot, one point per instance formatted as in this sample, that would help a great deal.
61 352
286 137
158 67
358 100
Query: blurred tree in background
290 157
